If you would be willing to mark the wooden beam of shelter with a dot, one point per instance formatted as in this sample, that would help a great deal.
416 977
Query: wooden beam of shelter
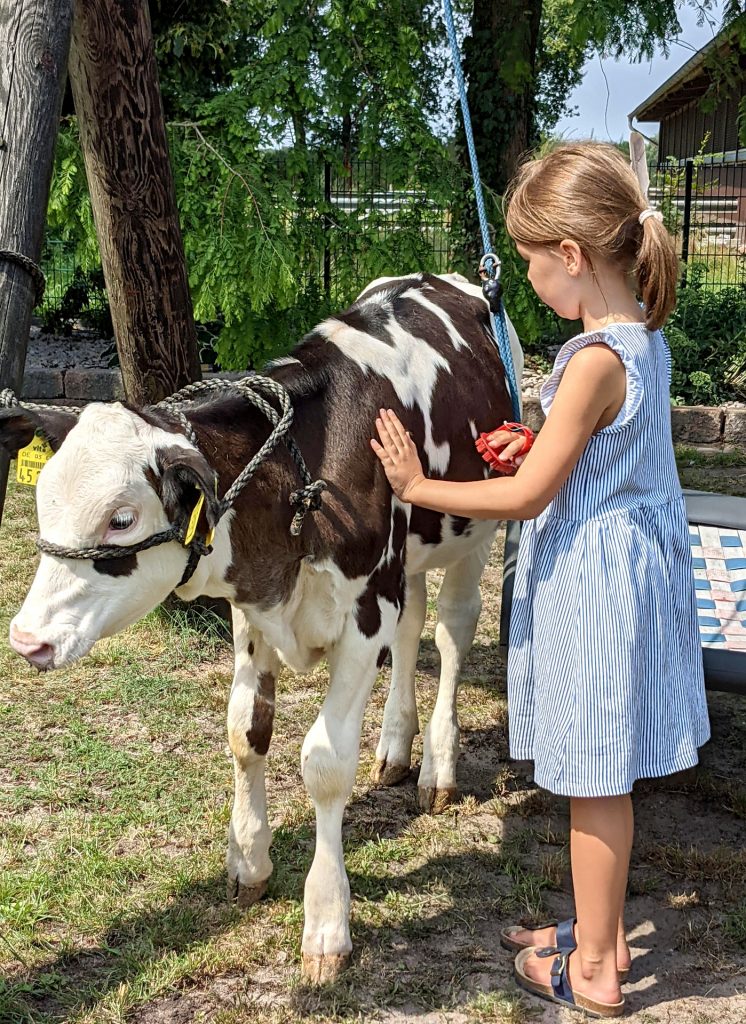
34 44
123 136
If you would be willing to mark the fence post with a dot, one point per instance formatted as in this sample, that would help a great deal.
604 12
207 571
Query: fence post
34 44
688 176
327 222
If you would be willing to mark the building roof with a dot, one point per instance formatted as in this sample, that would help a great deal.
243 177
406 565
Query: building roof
689 83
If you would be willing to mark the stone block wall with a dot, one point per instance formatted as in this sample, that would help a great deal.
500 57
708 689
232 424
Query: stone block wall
693 425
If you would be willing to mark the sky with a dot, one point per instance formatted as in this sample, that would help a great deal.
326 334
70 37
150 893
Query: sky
611 89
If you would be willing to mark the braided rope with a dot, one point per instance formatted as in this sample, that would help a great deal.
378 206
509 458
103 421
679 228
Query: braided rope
305 499
106 551
31 268
8 400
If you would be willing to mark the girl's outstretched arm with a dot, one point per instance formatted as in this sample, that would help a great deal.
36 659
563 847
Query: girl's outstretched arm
589 397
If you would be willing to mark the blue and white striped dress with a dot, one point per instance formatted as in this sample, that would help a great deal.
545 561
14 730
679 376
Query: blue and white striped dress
605 680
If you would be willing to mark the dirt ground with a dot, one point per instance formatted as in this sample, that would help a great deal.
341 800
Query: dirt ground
499 856
115 791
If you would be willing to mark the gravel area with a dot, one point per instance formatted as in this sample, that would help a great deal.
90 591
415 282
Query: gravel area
532 381
82 350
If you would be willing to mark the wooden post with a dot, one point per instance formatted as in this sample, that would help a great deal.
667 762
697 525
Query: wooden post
123 135
34 43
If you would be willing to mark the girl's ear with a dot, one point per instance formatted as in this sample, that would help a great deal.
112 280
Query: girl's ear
572 256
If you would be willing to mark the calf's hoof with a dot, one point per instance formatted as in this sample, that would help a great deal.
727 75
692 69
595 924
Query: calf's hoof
435 801
323 968
385 774
245 896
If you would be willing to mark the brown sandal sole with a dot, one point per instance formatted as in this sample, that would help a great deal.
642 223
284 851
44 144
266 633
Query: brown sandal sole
582 1003
509 943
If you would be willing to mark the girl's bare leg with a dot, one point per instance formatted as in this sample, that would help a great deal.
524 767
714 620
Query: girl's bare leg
547 936
600 845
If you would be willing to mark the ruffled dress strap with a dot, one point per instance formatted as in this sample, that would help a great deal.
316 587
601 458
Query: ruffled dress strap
625 352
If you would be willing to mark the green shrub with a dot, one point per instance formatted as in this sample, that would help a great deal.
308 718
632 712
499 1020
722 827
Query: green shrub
83 299
256 223
707 338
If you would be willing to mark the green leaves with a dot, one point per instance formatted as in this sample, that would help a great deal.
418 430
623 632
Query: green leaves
707 338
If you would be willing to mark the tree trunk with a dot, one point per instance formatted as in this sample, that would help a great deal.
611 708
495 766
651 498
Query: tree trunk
500 69
500 66
34 44
123 136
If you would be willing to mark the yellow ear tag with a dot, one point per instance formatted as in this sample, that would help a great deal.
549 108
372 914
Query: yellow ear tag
192 525
32 459
193 520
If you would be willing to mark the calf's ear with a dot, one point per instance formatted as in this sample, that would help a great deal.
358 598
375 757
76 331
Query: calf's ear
185 475
19 424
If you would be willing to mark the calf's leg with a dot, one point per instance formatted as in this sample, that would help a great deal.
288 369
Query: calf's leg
329 760
400 721
250 716
459 605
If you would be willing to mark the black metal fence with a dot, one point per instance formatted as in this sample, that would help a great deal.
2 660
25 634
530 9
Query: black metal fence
704 207
367 222
367 225
388 215
70 291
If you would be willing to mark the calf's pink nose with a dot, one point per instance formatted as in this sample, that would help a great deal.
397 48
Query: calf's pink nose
39 655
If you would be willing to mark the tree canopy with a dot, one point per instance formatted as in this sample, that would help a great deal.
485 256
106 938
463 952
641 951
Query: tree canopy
260 92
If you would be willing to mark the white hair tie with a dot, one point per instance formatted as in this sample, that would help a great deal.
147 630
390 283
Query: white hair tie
650 212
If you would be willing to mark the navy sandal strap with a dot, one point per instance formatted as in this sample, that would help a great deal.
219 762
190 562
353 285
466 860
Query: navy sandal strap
566 934
560 984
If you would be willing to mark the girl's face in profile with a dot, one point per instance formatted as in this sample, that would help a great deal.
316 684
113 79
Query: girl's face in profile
554 274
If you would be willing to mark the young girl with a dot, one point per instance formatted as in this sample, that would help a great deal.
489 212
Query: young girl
605 681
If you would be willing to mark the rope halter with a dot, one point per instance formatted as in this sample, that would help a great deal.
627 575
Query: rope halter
253 388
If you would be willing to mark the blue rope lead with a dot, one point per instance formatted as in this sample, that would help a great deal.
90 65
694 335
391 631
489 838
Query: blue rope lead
499 324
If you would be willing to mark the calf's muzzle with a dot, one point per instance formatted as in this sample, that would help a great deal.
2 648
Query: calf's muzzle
40 655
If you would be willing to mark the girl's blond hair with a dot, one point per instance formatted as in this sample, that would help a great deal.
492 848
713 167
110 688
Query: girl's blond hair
587 192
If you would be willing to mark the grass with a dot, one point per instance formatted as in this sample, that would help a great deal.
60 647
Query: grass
717 470
501 1008
688 458
115 793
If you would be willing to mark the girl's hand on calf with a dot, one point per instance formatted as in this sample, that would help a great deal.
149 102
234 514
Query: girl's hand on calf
398 454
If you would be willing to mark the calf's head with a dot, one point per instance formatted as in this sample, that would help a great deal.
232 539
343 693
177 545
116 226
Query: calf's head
115 479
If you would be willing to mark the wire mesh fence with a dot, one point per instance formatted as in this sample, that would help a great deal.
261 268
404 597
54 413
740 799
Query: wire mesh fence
366 221
704 207
369 221
70 291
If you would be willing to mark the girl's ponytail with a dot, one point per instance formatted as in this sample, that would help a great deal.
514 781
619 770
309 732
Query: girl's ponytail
657 271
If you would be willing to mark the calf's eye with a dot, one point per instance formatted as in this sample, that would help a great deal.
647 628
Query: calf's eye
122 520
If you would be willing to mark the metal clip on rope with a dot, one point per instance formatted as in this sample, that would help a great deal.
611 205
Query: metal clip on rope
489 271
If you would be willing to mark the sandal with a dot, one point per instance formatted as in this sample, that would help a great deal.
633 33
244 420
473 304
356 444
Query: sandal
559 991
565 938
565 935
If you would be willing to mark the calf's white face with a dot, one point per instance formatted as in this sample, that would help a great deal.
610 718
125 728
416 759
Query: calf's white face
98 489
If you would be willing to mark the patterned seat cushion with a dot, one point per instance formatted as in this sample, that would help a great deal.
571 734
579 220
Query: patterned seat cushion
720 581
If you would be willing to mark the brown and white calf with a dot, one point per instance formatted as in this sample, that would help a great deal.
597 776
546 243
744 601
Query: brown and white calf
350 587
